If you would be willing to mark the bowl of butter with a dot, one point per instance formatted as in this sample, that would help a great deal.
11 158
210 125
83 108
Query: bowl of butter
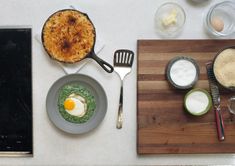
169 20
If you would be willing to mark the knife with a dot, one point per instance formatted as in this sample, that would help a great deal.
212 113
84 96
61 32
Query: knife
216 101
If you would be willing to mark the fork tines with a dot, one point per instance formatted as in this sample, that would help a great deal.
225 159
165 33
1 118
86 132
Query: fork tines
123 57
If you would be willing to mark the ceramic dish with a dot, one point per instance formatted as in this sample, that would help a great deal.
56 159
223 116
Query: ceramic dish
183 72
95 89
197 102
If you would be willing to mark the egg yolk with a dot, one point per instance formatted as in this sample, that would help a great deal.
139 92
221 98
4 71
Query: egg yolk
69 104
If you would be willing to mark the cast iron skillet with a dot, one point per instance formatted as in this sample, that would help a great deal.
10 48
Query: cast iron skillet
224 87
106 66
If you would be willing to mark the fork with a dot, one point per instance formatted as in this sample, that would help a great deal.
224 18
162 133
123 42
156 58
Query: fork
123 60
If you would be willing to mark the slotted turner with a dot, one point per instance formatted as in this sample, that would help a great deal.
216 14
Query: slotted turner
123 60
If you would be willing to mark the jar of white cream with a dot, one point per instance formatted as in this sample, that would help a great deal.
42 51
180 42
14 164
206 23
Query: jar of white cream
182 72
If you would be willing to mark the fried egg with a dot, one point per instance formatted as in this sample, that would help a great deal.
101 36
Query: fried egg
75 105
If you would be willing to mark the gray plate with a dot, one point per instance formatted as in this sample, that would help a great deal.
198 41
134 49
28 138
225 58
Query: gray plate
96 90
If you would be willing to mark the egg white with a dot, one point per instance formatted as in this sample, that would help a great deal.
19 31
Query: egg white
80 106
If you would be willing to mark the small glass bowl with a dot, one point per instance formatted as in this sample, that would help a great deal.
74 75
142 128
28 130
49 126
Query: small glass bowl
169 19
200 1
221 16
231 105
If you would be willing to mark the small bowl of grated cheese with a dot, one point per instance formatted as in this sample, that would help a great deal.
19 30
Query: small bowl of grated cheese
182 72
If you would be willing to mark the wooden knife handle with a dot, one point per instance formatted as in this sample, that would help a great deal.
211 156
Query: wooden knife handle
219 123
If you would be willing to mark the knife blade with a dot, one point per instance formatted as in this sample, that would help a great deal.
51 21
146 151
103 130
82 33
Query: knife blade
216 101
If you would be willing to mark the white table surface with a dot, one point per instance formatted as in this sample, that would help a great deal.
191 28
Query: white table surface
120 23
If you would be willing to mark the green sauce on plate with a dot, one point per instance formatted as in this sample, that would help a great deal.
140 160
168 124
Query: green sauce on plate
77 89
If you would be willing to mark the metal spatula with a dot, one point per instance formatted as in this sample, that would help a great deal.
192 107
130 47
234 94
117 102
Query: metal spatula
123 60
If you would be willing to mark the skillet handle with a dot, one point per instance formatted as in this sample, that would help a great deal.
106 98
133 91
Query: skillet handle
106 66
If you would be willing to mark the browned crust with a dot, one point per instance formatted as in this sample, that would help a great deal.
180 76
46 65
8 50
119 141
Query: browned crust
68 36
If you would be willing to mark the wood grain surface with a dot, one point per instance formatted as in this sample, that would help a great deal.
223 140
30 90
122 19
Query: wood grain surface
163 126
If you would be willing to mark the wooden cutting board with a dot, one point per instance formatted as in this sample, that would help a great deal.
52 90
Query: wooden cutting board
162 124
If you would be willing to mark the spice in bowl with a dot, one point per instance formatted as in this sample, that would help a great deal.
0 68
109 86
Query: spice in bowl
182 72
